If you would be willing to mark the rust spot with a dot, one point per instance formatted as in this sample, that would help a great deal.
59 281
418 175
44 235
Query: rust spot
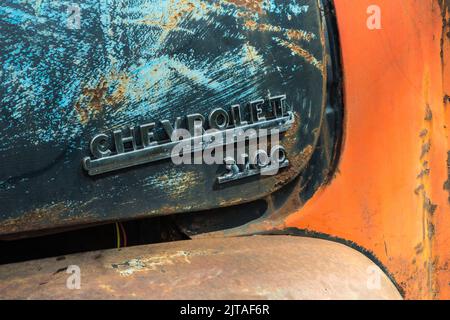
445 9
286 175
251 5
46 215
425 149
428 113
296 49
121 89
431 230
251 24
429 206
95 96
423 173
419 248
446 99
447 183
157 262
175 13
423 133
52 216
419 189
82 113
299 35
93 100
292 34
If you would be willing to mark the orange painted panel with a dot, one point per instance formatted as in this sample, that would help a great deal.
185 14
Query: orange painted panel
389 192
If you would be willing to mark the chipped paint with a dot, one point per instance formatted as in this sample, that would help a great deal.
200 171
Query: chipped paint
297 50
447 182
292 34
174 182
157 262
56 215
252 5
85 98
139 62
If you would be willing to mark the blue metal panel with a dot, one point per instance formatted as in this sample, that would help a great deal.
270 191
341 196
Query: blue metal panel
72 69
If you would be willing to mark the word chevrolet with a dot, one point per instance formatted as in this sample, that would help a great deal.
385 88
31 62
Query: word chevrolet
138 145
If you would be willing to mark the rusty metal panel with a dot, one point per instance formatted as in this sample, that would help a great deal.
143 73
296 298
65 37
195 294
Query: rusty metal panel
72 70
260 267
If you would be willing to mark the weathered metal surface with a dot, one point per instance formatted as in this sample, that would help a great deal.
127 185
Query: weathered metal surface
73 69
260 267
389 194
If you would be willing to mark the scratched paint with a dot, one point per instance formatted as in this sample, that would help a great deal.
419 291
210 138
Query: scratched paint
156 262
72 69
155 26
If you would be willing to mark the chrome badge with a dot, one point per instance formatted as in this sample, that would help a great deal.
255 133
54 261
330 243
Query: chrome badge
138 145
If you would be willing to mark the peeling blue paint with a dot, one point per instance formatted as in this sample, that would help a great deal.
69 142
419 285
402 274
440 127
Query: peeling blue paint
46 65
131 62
298 9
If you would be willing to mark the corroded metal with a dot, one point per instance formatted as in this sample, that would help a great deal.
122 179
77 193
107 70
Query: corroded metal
260 267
